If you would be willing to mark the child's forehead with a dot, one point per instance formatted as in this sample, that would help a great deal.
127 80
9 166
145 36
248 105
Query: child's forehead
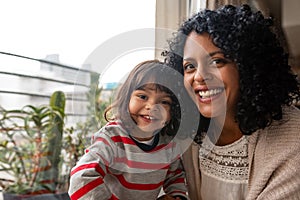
153 87
150 86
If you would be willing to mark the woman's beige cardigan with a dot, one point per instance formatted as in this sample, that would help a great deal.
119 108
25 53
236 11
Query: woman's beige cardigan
274 161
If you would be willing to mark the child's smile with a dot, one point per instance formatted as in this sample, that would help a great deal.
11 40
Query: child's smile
150 108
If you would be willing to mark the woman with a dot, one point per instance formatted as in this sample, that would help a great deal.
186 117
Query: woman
249 136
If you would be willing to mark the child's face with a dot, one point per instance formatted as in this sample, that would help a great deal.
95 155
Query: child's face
150 109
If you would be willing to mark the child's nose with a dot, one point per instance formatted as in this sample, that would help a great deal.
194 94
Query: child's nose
152 106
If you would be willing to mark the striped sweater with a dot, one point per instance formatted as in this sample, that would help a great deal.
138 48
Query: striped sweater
116 167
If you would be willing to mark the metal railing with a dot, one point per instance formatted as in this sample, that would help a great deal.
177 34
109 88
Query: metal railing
61 81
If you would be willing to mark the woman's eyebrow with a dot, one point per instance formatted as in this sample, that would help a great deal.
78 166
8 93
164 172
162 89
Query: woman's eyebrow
208 55
215 52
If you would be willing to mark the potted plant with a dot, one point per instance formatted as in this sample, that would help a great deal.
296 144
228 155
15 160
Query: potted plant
30 148
75 139
37 151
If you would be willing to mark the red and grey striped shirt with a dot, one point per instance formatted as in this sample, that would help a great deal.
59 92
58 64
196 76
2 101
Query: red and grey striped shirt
117 167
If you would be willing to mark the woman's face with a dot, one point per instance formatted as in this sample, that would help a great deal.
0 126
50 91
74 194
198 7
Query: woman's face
214 79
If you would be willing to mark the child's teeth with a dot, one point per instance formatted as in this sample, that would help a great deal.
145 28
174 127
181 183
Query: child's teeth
148 117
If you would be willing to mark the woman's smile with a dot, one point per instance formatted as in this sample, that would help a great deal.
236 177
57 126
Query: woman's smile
208 95
213 77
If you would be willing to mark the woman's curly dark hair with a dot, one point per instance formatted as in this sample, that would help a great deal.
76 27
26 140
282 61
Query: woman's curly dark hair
246 37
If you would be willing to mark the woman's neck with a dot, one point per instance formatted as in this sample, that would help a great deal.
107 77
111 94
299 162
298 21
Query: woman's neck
229 132
228 137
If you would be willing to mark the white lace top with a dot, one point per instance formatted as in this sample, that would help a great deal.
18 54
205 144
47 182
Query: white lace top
224 170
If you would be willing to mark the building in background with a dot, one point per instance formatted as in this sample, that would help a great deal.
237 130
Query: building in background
32 81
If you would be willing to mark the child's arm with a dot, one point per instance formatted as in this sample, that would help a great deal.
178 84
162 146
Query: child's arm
87 176
168 197
174 184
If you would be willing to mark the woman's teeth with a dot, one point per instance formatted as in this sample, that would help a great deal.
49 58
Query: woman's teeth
210 93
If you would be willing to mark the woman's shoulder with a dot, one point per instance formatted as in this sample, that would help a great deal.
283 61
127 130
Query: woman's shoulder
274 155
290 119
284 132
291 112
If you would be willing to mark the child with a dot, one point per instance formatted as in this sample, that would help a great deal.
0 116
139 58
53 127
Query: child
132 156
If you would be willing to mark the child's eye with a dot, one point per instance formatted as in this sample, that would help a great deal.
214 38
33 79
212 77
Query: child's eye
141 96
166 102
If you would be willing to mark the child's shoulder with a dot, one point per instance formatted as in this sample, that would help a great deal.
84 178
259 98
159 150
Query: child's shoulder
166 139
111 129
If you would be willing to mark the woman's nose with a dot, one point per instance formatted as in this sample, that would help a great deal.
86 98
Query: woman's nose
202 75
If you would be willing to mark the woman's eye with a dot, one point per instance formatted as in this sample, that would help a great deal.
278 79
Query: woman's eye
219 62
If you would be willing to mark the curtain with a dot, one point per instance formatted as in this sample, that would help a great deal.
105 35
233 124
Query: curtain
169 15
214 4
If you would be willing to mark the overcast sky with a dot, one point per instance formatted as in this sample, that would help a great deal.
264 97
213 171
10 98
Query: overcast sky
70 28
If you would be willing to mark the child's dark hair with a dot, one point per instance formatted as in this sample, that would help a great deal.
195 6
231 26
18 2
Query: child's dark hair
266 80
147 72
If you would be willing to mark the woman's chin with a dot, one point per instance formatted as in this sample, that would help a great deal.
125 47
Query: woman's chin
211 113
